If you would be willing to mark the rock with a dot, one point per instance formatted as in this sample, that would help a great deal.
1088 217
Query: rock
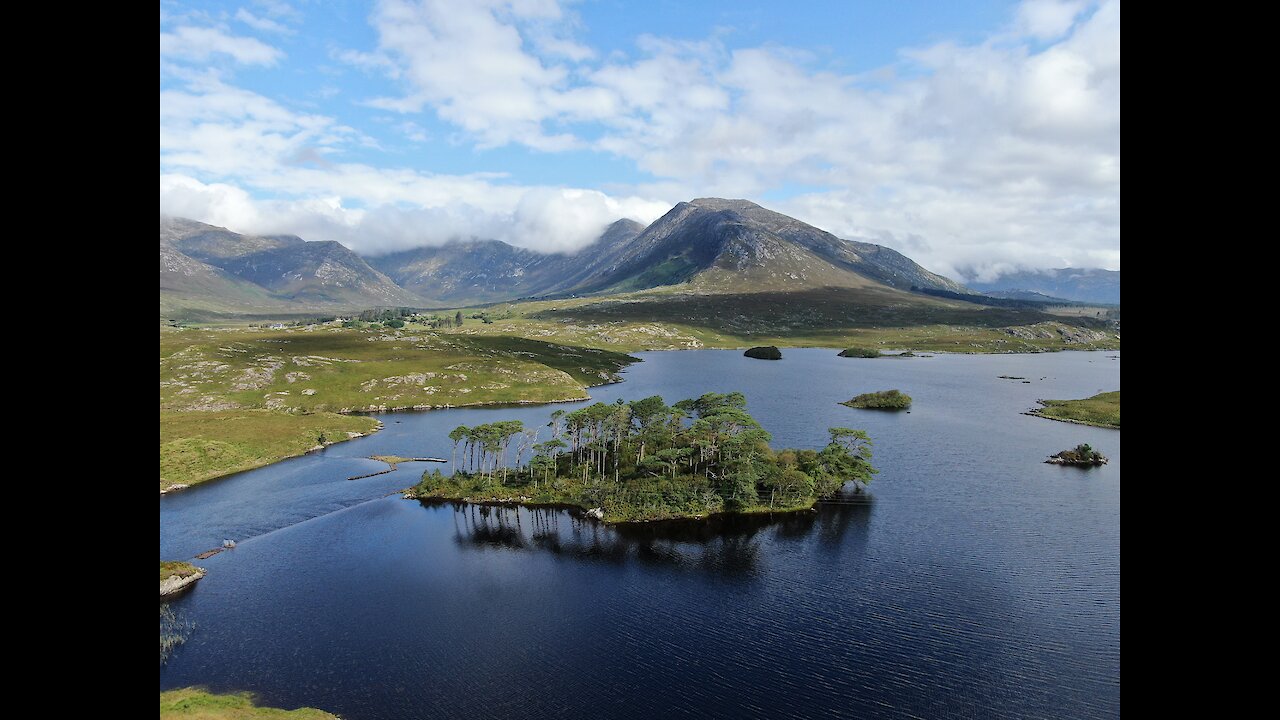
172 584
597 513
764 352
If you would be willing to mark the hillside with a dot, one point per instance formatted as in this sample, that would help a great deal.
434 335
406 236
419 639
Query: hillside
482 271
722 245
211 269
1078 284
708 245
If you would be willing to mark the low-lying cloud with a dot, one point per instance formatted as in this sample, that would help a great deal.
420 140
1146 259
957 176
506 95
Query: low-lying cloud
972 158
542 219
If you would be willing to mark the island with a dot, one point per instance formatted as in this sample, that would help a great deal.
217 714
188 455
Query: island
1101 410
764 352
177 576
646 460
857 352
883 400
1081 454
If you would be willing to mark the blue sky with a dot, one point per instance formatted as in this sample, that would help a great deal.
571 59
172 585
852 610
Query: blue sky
976 137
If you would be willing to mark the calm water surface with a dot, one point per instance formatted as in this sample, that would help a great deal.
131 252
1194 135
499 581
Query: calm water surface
975 581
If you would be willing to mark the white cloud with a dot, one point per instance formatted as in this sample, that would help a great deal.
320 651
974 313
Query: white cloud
968 157
1048 19
538 218
201 44
262 23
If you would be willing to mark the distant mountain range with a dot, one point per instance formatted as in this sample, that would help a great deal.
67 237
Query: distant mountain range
708 246
1081 285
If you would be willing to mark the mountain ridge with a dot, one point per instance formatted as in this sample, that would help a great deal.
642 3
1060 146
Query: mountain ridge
1076 284
705 245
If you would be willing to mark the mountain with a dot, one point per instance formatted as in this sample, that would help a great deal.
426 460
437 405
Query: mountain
482 271
215 263
187 282
736 245
1079 284
1029 295
708 245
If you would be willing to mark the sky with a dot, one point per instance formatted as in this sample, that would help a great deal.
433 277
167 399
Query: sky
977 138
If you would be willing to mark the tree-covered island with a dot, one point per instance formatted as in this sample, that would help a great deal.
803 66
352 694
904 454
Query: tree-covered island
646 460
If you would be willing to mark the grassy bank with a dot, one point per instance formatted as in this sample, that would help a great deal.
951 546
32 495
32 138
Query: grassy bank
829 317
170 568
196 704
1101 410
238 398
334 369
200 446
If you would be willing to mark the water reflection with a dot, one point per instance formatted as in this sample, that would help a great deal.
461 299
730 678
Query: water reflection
729 545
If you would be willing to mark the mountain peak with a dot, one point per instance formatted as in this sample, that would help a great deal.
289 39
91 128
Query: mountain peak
724 204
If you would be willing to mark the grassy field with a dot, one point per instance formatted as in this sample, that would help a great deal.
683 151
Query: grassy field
328 368
235 399
169 568
196 704
1102 410
215 382
827 317
200 446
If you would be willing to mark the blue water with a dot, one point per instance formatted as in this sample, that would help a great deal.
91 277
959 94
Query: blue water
975 581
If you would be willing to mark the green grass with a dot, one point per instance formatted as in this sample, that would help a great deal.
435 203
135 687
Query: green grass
391 460
882 400
333 369
169 568
197 704
238 398
200 446
1101 410
871 318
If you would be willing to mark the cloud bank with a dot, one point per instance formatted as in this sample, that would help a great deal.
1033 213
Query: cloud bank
971 158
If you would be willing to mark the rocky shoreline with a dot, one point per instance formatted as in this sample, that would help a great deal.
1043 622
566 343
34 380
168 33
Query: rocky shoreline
175 584
1039 414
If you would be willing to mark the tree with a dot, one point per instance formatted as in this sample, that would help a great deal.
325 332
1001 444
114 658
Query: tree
456 435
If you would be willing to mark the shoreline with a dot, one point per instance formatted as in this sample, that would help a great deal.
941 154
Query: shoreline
185 486
1039 414
517 403
588 513
176 584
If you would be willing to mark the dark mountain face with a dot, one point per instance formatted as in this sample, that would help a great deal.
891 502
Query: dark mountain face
1079 284
713 240
476 271
480 271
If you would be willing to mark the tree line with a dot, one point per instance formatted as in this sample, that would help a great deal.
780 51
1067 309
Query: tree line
707 452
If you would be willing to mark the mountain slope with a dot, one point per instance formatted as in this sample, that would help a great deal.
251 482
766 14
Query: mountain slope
284 267
721 244
481 271
1079 284
187 282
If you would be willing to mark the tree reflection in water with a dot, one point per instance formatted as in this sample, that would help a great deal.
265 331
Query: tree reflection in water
722 544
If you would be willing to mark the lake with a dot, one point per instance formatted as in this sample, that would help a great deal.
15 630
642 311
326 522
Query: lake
972 580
